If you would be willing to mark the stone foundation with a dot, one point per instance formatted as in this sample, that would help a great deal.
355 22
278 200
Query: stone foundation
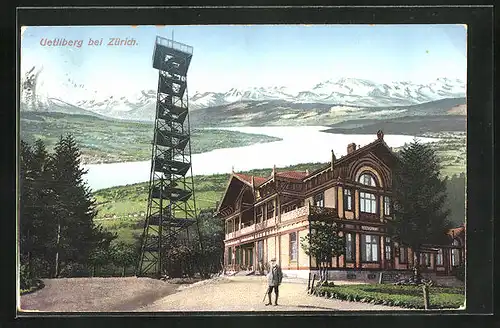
302 274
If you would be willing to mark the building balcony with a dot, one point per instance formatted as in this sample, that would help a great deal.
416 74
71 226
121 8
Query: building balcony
373 217
241 232
296 213
322 213
306 212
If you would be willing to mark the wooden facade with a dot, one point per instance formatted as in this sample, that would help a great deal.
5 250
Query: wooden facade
266 217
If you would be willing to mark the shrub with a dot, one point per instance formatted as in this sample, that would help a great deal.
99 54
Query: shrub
26 282
393 295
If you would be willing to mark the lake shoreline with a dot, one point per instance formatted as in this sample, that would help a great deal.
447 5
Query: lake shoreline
296 145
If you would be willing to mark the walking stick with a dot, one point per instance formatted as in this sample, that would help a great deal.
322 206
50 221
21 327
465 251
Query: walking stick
265 295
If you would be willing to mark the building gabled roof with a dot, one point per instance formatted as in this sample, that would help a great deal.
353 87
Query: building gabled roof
300 176
296 175
248 179
457 231
378 142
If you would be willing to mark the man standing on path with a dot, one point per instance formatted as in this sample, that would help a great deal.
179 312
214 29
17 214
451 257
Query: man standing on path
274 277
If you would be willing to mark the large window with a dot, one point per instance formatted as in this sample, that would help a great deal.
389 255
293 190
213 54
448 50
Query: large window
425 259
439 257
367 202
319 200
350 248
403 255
367 179
387 206
388 248
348 199
369 248
293 246
229 255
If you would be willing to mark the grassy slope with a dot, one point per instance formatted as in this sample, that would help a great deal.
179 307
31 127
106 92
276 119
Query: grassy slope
103 140
278 112
451 129
451 150
408 125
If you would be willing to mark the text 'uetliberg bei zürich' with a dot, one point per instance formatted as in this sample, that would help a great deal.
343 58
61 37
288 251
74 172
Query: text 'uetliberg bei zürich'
63 42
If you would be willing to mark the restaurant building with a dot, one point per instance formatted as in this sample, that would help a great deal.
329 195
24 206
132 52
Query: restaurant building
265 217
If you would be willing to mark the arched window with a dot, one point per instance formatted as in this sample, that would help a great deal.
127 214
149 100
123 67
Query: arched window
367 179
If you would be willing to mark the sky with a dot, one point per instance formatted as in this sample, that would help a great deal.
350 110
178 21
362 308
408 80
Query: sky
227 56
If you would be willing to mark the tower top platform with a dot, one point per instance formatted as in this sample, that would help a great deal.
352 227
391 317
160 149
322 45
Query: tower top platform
174 45
166 49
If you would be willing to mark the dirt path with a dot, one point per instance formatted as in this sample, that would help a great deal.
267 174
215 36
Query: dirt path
151 295
246 294
96 294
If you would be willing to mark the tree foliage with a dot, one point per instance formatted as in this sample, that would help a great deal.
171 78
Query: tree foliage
419 199
56 210
323 242
212 238
456 198
204 257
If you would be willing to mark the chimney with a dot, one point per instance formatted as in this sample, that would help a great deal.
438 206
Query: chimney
351 147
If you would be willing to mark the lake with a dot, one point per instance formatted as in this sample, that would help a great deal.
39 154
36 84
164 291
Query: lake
299 144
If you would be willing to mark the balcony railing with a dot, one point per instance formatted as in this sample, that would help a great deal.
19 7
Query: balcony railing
314 212
174 45
293 214
264 224
317 212
369 216
248 229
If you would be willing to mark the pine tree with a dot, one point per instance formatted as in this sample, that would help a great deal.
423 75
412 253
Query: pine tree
43 220
212 236
74 208
456 198
35 219
419 193
26 202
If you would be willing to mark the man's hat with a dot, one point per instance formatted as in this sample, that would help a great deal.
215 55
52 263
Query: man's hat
273 259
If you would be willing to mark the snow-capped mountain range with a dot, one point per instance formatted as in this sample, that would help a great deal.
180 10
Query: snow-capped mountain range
344 91
43 92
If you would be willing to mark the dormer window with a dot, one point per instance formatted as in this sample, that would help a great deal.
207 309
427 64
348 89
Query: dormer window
367 179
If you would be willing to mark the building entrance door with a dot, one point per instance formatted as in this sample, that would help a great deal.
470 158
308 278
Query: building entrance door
247 262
